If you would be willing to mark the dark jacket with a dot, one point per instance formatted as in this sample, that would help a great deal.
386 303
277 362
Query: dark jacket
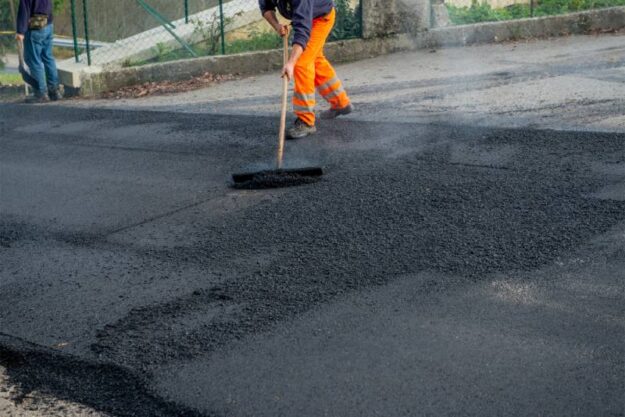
28 8
301 13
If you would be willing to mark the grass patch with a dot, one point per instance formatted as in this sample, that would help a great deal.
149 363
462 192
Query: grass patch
482 12
10 79
257 42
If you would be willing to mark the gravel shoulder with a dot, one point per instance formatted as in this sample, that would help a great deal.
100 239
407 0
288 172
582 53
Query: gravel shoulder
15 403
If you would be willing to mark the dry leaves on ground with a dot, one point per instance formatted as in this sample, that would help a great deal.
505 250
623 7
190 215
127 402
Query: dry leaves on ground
166 87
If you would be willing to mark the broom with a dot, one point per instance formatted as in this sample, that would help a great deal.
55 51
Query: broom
279 176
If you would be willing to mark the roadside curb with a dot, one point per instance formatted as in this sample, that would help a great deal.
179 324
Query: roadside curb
9 91
603 20
93 82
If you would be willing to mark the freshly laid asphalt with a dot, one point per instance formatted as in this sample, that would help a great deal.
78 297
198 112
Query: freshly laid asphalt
434 270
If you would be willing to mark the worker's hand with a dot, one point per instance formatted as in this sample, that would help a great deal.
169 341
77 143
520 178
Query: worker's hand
19 37
287 71
283 30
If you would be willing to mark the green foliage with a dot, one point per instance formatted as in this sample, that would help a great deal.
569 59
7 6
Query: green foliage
257 41
209 31
477 12
6 24
483 12
11 79
59 5
161 52
348 21
6 20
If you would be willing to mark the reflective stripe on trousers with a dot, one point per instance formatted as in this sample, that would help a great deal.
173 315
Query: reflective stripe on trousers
314 72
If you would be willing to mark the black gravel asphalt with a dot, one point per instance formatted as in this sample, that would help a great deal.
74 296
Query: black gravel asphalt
125 255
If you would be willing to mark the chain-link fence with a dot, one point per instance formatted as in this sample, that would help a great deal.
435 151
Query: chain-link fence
136 32
475 11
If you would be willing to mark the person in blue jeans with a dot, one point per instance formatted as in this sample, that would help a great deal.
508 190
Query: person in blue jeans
35 28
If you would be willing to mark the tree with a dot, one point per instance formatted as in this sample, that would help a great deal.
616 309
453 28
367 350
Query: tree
347 21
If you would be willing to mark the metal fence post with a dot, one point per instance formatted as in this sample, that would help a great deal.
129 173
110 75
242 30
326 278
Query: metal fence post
86 19
74 31
531 8
186 11
221 24
167 25
361 20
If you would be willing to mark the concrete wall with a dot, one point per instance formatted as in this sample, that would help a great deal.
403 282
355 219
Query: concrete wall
415 15
379 18
240 64
610 19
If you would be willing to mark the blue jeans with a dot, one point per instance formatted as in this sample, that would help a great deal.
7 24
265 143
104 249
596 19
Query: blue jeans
39 58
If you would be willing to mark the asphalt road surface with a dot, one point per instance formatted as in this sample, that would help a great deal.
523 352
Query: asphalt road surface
436 270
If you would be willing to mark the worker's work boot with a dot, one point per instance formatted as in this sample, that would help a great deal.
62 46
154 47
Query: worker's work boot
300 129
334 113
55 94
37 99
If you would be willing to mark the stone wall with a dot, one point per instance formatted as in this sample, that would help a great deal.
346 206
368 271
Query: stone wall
415 15
380 18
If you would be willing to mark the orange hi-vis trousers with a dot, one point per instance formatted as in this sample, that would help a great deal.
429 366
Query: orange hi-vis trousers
313 70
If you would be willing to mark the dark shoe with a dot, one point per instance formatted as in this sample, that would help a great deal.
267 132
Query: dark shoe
37 99
300 130
55 94
334 113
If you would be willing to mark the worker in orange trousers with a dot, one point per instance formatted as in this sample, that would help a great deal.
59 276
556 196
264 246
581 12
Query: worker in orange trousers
312 22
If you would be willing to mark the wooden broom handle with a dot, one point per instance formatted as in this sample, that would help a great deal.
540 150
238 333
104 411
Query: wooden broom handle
285 92
20 51
20 54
